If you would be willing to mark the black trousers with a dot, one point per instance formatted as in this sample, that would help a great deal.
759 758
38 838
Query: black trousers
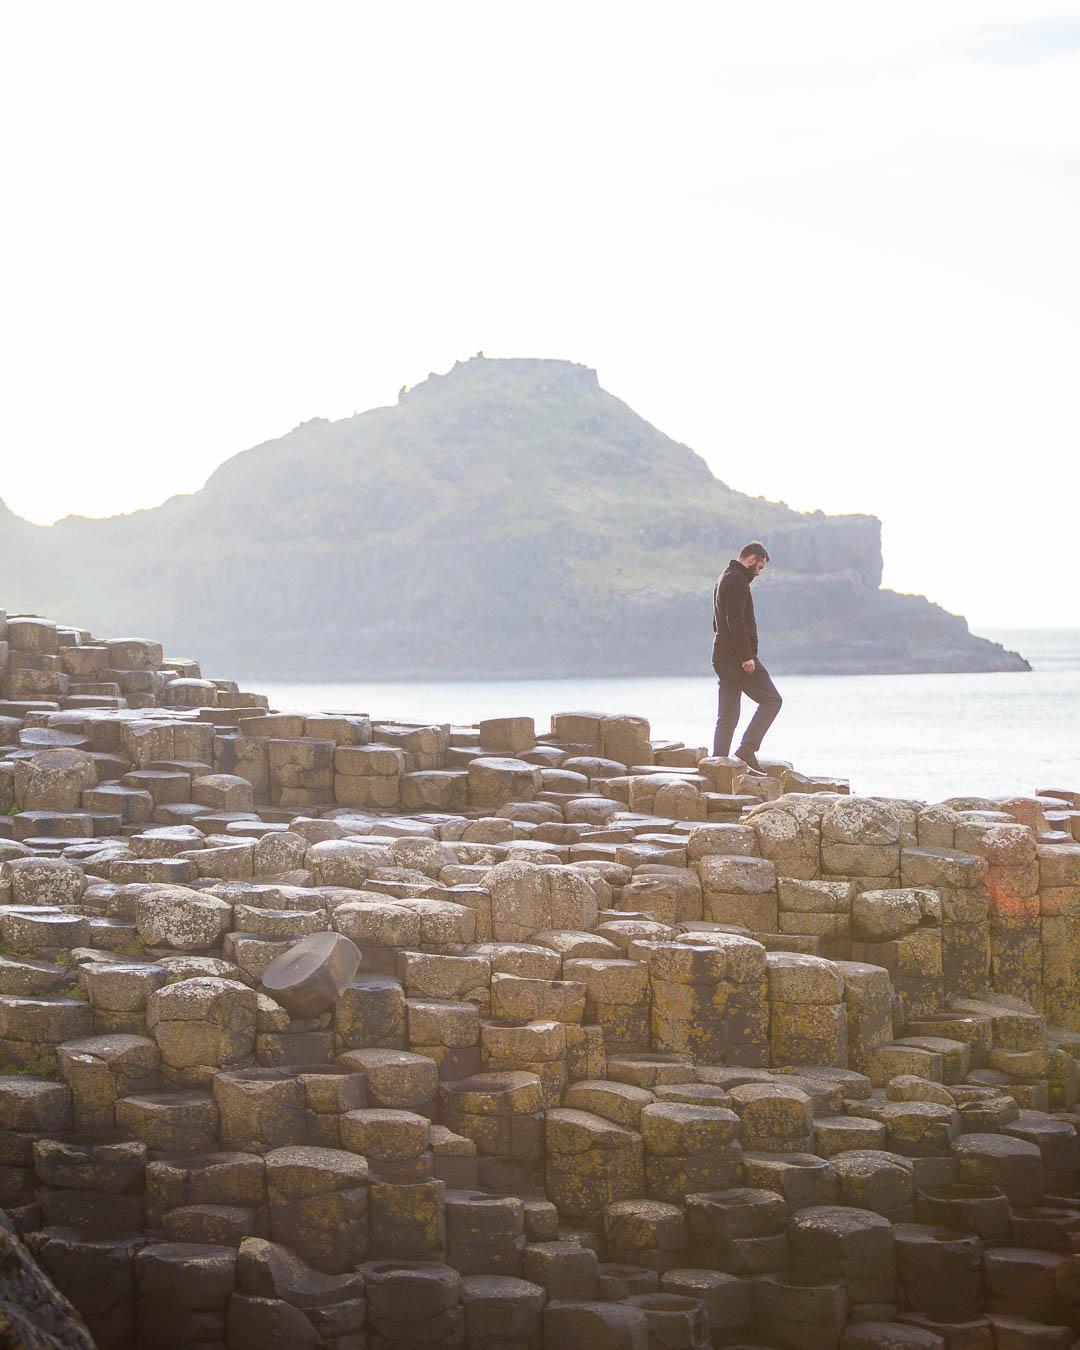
734 682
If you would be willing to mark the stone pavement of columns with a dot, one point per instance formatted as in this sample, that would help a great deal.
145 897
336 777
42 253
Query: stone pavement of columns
320 1030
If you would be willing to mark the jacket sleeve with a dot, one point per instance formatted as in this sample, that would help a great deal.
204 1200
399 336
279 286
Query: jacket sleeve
733 598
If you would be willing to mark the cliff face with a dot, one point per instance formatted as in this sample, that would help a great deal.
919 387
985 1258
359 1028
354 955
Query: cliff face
507 518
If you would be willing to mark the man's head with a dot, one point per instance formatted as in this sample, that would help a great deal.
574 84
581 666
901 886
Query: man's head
754 557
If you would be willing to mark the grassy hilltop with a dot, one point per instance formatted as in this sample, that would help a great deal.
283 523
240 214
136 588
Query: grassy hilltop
507 518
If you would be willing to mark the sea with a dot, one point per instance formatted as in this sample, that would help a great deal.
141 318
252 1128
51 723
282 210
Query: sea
920 736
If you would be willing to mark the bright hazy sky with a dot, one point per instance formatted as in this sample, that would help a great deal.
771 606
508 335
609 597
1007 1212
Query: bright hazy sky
831 246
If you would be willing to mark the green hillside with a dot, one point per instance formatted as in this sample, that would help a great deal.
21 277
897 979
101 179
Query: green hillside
507 518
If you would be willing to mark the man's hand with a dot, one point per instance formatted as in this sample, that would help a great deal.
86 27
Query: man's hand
749 666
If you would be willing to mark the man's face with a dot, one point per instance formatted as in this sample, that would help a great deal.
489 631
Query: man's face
756 566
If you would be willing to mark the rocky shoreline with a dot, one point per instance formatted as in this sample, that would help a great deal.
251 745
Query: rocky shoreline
320 1030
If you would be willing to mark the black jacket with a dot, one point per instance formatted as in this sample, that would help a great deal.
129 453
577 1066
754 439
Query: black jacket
733 616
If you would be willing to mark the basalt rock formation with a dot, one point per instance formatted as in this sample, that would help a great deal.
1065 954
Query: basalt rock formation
34 1315
318 1030
509 518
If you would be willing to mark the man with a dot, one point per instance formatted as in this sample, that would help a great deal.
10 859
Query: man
734 659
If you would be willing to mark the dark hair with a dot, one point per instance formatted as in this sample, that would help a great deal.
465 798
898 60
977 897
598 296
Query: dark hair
754 550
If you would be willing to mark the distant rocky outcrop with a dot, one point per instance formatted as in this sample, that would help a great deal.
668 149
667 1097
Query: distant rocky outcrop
508 518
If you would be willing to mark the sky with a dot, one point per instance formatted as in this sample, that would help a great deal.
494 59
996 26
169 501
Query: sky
830 246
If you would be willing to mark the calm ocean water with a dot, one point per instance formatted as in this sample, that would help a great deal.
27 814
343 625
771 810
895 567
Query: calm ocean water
927 736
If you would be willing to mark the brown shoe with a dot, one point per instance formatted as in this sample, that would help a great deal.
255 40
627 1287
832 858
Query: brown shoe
750 760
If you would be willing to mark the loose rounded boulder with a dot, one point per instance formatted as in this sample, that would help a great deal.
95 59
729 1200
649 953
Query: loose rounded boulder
309 978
